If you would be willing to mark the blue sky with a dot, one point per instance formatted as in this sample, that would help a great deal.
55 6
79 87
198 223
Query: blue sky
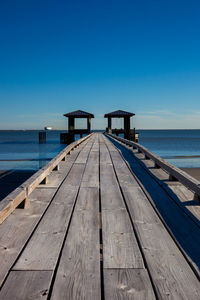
141 56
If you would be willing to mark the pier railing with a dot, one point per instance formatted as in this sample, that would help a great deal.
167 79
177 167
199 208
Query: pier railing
19 198
175 173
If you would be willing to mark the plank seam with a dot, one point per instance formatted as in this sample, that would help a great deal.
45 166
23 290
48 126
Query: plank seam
135 231
39 221
101 235
65 237
195 271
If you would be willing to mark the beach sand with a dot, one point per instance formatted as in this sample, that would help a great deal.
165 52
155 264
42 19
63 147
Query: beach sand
194 172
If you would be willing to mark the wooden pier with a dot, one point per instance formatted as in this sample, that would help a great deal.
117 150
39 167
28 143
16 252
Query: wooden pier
109 223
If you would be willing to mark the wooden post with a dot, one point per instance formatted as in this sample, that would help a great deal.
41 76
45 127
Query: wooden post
66 138
44 181
127 127
42 137
89 124
196 198
109 125
56 168
172 178
71 124
24 204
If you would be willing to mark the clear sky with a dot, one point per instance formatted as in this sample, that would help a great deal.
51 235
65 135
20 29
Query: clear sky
142 56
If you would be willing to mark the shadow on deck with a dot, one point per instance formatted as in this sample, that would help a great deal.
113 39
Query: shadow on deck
183 225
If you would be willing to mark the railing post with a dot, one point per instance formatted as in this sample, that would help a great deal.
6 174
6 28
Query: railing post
172 178
196 198
56 168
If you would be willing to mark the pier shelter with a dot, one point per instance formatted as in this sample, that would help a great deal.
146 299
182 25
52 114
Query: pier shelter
129 133
70 136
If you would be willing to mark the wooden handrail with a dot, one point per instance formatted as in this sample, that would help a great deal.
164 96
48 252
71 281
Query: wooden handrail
174 172
20 196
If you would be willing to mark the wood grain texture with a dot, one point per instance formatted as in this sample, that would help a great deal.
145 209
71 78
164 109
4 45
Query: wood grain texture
78 275
20 196
185 198
104 153
13 200
187 180
170 271
83 155
15 231
91 175
42 251
26 285
120 248
74 178
127 284
124 176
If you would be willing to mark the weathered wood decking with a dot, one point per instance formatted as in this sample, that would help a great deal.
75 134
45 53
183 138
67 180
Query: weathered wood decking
95 232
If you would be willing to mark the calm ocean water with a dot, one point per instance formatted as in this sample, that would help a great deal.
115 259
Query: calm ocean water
19 150
179 147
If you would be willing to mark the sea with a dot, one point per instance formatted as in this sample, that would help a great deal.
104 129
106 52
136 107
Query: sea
20 150
21 155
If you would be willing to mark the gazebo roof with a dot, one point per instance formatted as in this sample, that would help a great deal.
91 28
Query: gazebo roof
79 114
119 114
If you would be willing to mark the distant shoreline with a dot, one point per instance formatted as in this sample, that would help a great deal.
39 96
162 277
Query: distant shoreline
64 129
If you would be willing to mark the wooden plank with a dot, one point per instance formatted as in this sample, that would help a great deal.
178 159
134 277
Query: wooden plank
55 178
185 199
104 154
120 248
22 285
91 175
176 219
107 177
21 194
159 173
110 146
75 176
78 274
170 271
15 231
127 284
187 180
124 176
83 155
8 204
94 156
42 251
